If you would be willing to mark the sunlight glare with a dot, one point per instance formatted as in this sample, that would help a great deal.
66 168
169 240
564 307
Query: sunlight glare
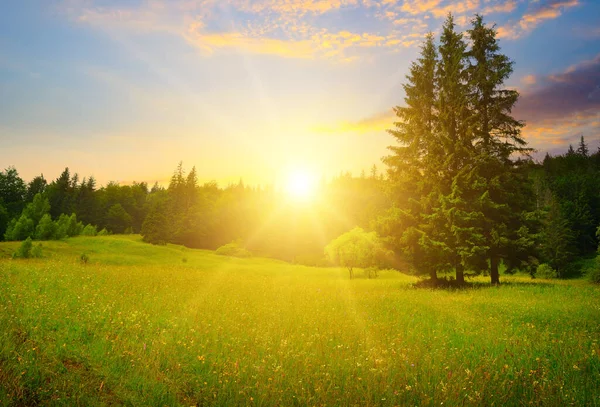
301 185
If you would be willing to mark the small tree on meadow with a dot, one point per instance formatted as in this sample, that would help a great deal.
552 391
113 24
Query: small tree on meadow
46 228
19 229
355 248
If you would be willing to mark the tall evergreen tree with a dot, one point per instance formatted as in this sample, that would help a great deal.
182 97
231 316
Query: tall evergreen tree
499 178
454 212
36 186
582 149
415 167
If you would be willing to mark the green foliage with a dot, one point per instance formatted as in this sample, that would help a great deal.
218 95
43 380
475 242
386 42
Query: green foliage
46 228
24 250
557 240
356 248
4 219
19 229
233 249
37 251
117 219
89 230
84 258
593 274
74 227
458 178
67 226
12 192
103 232
155 228
37 209
546 271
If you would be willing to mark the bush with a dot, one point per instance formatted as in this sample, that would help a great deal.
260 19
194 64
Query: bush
36 251
84 258
233 249
372 272
593 272
24 251
103 232
89 230
20 229
594 275
46 229
545 271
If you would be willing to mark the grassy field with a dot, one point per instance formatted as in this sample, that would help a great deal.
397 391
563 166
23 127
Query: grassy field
144 325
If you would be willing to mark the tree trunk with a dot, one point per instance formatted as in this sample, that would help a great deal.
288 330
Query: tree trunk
351 273
433 276
494 273
460 274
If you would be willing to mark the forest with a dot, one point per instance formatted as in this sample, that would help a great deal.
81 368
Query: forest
460 194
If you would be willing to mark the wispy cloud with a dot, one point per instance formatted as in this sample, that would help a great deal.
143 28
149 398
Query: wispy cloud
377 122
276 28
576 91
548 10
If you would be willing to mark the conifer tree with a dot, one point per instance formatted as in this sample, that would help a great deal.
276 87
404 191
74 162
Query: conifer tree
414 168
501 185
454 208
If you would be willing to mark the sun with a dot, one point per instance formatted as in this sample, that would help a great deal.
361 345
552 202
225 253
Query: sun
301 186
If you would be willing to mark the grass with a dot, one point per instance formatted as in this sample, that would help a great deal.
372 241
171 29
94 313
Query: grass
166 326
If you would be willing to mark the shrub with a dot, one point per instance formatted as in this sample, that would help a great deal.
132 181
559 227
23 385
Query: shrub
372 272
233 249
594 275
545 271
593 272
74 228
103 232
20 229
89 230
84 258
62 227
36 251
356 248
46 229
24 251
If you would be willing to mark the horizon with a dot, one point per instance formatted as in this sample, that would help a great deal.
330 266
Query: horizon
123 91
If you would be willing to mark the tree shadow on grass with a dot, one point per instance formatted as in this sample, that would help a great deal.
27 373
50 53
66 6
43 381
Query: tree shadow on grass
451 284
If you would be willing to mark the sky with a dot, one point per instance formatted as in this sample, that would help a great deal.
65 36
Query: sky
251 89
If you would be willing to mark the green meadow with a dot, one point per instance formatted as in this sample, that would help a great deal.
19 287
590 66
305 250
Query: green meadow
169 326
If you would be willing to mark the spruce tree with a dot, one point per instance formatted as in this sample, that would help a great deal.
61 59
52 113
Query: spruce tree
499 181
453 207
415 167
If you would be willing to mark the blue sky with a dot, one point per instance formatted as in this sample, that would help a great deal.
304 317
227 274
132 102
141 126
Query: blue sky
124 90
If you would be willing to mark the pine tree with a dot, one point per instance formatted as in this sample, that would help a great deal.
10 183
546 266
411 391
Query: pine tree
583 150
453 209
415 168
500 182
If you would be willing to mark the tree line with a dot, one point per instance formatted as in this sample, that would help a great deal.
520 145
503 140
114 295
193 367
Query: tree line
461 194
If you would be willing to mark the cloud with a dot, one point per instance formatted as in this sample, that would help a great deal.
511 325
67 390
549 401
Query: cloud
502 7
210 42
274 28
576 91
377 122
548 10
529 80
456 8
563 105
558 107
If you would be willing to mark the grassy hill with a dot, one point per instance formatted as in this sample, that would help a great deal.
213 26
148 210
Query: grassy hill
146 325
